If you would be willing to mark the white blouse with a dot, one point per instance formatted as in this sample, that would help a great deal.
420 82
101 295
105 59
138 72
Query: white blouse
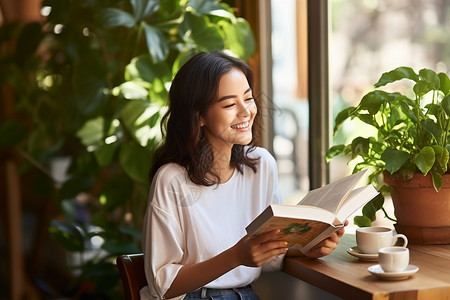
187 223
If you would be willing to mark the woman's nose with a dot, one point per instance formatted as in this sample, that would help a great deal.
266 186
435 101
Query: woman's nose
244 108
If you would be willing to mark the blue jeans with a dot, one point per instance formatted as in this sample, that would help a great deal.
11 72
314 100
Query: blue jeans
243 293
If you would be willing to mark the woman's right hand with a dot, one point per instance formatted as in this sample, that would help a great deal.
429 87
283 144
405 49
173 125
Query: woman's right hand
257 250
251 252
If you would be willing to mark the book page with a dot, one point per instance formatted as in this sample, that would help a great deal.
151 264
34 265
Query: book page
357 198
330 196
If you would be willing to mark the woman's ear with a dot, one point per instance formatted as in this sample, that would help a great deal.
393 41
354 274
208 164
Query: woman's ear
202 122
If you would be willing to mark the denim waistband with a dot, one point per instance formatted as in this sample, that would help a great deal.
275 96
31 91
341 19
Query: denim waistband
207 292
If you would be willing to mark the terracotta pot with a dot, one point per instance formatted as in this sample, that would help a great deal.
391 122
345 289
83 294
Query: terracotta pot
422 214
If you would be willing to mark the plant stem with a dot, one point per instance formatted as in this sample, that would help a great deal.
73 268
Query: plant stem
419 129
447 127
387 216
35 163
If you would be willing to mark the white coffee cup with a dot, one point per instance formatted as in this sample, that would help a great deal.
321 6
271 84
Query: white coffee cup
393 259
370 239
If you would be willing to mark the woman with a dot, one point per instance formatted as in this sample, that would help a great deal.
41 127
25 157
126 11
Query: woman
208 185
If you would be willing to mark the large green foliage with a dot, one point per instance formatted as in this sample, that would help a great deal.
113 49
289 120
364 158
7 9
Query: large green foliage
91 85
412 131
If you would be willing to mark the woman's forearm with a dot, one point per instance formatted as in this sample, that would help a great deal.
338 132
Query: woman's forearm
192 277
252 252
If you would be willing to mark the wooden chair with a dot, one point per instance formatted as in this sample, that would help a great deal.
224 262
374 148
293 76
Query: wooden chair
132 274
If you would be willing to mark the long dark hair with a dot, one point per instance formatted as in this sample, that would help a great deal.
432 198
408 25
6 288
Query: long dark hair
193 90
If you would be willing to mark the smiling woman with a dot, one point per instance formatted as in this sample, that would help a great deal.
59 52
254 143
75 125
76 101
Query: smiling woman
208 163
213 93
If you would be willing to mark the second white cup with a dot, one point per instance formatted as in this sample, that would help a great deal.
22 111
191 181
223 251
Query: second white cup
393 259
370 239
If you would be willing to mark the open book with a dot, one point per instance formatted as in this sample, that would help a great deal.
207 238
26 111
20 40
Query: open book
320 213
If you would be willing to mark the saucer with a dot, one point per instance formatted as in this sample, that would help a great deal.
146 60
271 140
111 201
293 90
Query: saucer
378 272
362 256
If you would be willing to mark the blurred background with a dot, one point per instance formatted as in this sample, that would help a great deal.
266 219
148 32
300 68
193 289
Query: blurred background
84 84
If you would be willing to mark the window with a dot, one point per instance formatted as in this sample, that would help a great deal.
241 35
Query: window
374 36
290 96
363 40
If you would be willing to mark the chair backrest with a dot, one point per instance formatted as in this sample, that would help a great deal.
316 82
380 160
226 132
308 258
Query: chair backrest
132 274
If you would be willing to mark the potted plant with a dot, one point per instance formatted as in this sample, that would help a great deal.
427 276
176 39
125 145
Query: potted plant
408 153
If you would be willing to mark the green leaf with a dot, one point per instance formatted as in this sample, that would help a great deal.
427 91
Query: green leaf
385 189
131 113
105 154
407 111
205 7
342 116
444 84
394 159
433 128
372 101
12 132
334 151
135 161
68 235
239 38
169 12
114 17
423 87
396 116
377 202
347 149
360 146
442 157
425 159
140 118
431 77
142 68
206 35
397 74
144 8
369 211
92 132
434 109
445 104
368 119
89 85
362 221
133 91
438 181
181 59
156 42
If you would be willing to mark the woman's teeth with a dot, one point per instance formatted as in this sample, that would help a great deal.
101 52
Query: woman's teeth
240 126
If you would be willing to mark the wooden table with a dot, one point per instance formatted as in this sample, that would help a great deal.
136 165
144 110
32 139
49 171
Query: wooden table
347 277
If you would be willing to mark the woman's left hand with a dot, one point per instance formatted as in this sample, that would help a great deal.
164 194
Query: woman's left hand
327 245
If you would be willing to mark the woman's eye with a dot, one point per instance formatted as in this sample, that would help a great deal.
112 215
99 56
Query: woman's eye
249 99
229 105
